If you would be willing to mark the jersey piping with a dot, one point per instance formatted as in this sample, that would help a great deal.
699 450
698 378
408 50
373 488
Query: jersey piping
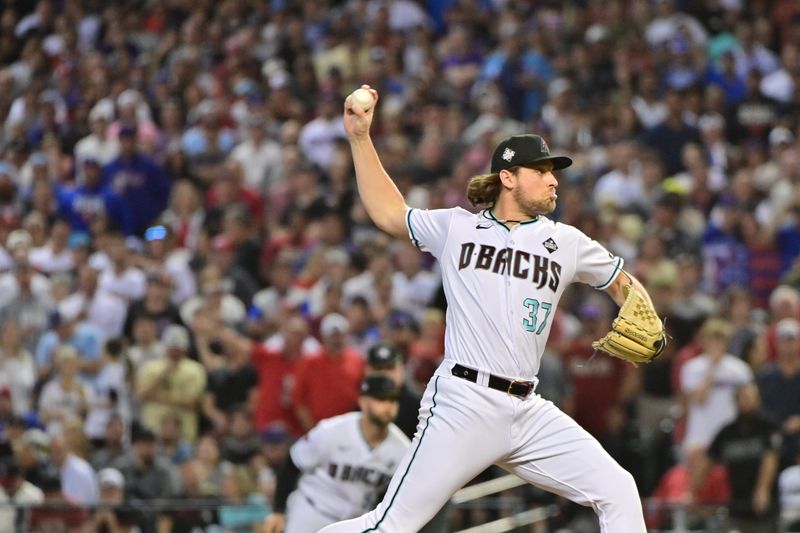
411 462
613 275
414 240
491 216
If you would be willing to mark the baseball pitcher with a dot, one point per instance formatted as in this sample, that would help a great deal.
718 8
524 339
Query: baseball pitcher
504 270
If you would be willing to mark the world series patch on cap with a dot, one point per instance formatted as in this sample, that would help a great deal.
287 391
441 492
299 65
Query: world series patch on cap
382 355
525 150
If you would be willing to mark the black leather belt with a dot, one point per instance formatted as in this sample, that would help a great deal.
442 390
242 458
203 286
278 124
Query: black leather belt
521 389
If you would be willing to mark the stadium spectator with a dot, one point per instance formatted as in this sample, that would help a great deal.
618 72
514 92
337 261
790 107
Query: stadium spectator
26 299
779 384
118 273
64 397
109 395
102 309
170 442
313 398
708 384
259 156
194 488
242 442
413 286
276 362
145 344
185 214
17 368
215 299
98 146
65 328
139 185
113 446
232 379
147 475
111 515
207 453
789 494
173 384
748 447
229 189
318 137
15 490
155 304
162 254
55 256
78 478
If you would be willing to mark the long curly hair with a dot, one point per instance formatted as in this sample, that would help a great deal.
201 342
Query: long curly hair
483 190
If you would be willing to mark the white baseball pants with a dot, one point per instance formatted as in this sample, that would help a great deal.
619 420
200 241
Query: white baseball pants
465 427
302 517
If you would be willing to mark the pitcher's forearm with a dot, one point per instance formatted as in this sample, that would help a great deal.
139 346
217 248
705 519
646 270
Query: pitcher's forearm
380 196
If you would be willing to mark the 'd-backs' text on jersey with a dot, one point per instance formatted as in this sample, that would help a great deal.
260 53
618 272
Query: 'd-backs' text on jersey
503 282
342 476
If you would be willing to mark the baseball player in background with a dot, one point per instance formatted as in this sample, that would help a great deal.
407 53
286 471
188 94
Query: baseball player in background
504 270
344 463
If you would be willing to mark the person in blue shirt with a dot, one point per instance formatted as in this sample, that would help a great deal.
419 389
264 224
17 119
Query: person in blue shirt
80 205
521 73
724 255
137 187
65 328
724 75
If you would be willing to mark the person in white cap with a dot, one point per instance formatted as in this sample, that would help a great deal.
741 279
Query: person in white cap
172 384
112 485
327 385
98 145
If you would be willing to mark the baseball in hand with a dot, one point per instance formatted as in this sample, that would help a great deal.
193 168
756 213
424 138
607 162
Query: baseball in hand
363 98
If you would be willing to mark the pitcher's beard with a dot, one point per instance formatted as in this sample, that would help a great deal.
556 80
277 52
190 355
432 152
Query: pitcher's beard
534 208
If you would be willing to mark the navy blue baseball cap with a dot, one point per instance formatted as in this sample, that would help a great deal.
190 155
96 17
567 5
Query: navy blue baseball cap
127 130
523 151
379 386
383 355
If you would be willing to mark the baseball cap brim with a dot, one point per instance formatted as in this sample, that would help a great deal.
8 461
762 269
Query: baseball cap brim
383 395
525 150
559 162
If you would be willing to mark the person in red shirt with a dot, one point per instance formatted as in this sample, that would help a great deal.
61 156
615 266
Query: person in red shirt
229 189
328 384
600 382
276 361
674 492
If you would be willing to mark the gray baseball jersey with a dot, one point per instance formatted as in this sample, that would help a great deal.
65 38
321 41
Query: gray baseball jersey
503 282
342 476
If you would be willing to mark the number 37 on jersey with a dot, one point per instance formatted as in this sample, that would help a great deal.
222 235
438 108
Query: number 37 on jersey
538 314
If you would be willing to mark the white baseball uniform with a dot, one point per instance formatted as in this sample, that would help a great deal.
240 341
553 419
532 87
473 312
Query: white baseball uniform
342 476
503 284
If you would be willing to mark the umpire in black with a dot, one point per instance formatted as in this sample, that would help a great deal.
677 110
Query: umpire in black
385 358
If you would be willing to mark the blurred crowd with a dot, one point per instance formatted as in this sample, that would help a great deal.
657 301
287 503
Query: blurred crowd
188 281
